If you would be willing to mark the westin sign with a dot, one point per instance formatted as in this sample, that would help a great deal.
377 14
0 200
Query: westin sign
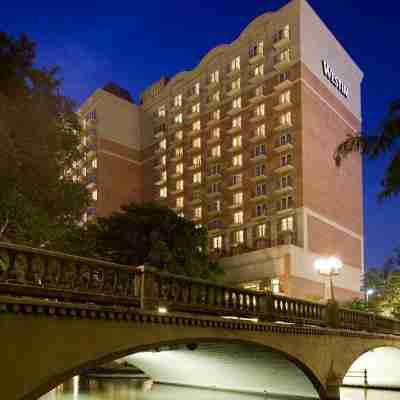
334 79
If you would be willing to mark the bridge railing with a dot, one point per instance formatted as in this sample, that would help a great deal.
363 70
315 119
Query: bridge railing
37 273
26 271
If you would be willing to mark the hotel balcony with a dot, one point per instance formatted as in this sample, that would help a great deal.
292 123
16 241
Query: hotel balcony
281 147
194 132
259 218
212 122
214 194
195 185
161 182
160 166
283 85
176 191
214 177
259 157
194 149
283 125
259 197
161 150
284 168
259 178
283 189
193 115
196 199
213 140
235 148
257 96
283 106
235 186
234 110
282 64
213 103
256 118
235 168
193 95
234 206
214 213
234 129
282 211
211 85
253 59
193 167
159 134
176 158
258 138
233 91
177 175
232 72
212 159
256 78
282 41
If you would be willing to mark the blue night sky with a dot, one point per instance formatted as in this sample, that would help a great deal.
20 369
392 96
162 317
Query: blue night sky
134 43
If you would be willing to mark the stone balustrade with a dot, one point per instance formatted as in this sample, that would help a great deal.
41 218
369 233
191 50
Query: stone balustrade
41 274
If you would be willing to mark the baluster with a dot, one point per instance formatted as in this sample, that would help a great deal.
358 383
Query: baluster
4 264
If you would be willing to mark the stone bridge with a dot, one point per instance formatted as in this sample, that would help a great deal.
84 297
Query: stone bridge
61 314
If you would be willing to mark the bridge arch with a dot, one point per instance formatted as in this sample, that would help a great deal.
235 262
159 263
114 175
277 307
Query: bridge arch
375 366
295 369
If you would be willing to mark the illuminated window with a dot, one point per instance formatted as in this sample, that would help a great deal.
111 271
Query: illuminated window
284 98
94 194
285 181
237 122
196 108
196 126
197 161
216 151
237 141
217 242
84 171
163 144
161 111
94 163
216 96
179 152
287 224
257 49
237 179
216 115
216 133
178 135
163 192
179 169
195 91
84 140
286 119
261 170
164 176
235 84
179 185
259 150
260 110
85 218
196 143
237 160
197 177
259 91
237 103
238 198
261 210
214 170
285 203
215 206
275 285
214 187
164 160
261 189
179 202
181 215
286 159
178 101
235 64
260 131
238 217
197 212
214 76
239 237
283 33
178 119
259 70
261 231
284 56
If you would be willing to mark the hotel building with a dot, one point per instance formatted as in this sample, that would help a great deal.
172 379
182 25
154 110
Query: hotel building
244 144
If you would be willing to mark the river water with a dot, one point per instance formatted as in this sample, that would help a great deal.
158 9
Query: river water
127 389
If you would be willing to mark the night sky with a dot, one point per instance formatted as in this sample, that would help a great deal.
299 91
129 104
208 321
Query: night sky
134 43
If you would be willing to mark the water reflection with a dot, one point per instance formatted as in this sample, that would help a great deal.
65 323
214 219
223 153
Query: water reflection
80 388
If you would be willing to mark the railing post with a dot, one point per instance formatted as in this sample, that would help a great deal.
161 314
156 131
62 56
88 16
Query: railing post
332 314
148 292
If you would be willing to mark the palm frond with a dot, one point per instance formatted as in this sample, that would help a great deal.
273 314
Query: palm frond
355 144
391 181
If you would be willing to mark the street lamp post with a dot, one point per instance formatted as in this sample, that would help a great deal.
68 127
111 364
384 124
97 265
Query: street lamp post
329 267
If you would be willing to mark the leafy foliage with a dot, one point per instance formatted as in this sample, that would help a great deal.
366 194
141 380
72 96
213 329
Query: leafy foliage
39 137
373 146
153 234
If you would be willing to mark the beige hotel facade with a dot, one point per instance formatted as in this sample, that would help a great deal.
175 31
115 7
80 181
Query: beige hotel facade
243 144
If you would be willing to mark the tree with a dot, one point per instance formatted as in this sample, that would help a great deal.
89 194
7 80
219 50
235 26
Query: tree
154 234
373 146
39 137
